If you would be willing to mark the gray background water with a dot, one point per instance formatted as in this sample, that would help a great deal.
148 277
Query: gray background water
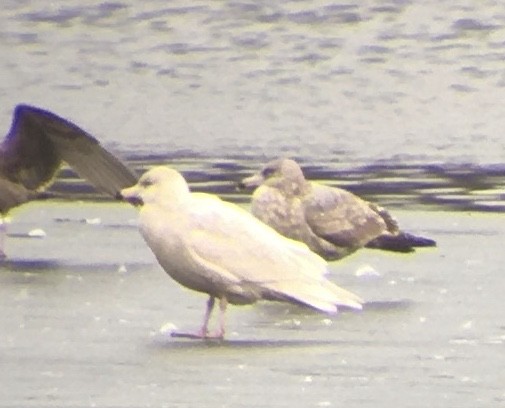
215 88
354 82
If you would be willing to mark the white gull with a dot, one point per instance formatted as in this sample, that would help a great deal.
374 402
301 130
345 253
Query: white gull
215 247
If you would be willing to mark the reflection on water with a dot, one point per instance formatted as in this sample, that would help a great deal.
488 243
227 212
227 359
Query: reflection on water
29 265
450 187
170 343
387 305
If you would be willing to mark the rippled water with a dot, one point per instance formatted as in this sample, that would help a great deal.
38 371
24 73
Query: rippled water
423 186
354 87
400 102
341 82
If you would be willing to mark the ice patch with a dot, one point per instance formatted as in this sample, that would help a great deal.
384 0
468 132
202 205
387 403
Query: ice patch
168 328
467 325
93 221
122 269
37 233
366 271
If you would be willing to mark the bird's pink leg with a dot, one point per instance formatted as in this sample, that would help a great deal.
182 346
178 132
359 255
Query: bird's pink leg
223 303
203 332
208 311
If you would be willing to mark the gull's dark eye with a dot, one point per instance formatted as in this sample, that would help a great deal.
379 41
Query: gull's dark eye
267 172
146 182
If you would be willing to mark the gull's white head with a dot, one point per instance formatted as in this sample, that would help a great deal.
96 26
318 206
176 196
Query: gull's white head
160 185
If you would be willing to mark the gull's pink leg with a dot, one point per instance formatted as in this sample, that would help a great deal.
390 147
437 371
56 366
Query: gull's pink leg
208 311
202 333
223 303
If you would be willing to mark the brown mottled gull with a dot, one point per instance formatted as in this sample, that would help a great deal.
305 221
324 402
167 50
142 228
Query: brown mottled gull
332 222
217 248
33 150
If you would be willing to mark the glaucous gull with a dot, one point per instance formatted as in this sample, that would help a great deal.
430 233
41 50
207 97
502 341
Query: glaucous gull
215 247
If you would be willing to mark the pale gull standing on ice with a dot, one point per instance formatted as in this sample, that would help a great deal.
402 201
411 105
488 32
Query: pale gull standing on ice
33 150
333 222
217 248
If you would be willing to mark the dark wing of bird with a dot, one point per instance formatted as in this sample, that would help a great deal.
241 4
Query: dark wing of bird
340 217
39 141
394 239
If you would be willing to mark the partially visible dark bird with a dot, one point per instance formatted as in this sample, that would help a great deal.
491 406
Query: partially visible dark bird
332 222
34 149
